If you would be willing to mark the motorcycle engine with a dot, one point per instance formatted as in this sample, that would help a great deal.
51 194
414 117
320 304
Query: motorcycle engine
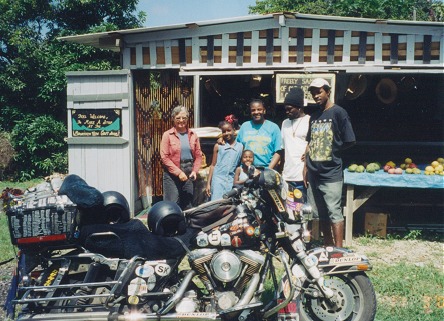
225 272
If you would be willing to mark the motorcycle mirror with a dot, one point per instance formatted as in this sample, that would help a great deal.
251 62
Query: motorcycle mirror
251 170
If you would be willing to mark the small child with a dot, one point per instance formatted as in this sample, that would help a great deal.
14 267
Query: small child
241 174
226 158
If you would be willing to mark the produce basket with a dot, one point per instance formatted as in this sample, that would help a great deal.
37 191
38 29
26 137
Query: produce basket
41 220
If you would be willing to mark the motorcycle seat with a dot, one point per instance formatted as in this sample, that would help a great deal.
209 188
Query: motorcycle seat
133 239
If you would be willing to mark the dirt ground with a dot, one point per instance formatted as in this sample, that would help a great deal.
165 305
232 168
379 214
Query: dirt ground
385 252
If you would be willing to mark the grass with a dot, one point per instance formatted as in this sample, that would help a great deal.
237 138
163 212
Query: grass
21 185
404 291
408 292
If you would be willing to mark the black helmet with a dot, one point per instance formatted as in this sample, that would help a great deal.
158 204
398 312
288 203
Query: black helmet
116 208
166 218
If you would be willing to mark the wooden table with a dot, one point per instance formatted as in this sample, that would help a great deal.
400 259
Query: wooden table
375 181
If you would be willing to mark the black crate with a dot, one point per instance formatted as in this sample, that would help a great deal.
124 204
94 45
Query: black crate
47 219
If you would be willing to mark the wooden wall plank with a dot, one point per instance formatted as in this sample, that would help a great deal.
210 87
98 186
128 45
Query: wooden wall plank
300 46
362 47
331 47
225 48
441 50
269 48
210 51
195 53
284 45
427 49
394 44
182 52
254 47
346 47
168 59
315 46
153 55
139 56
240 49
410 59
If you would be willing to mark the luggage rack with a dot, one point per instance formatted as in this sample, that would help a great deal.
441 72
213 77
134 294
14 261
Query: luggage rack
115 286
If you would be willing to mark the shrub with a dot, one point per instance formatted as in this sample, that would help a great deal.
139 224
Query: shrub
6 152
41 149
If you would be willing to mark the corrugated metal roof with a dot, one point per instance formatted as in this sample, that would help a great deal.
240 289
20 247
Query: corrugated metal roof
107 40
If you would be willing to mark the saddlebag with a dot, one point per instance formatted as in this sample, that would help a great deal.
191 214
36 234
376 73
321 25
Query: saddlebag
219 211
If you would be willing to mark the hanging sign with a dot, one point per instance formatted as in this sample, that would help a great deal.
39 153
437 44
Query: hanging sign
96 122
285 82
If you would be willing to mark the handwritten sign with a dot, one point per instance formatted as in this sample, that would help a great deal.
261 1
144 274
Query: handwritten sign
96 122
286 82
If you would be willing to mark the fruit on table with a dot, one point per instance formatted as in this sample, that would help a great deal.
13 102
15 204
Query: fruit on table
408 163
387 167
352 168
391 164
391 171
398 170
372 168
435 167
414 170
440 160
360 169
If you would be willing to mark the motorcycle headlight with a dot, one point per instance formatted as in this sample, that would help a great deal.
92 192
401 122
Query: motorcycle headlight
269 179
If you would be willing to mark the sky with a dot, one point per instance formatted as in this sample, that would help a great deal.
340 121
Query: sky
168 12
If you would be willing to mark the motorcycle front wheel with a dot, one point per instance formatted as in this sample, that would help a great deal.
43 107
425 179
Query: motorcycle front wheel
355 300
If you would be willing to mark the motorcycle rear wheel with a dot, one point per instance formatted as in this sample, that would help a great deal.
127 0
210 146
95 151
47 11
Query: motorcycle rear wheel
356 300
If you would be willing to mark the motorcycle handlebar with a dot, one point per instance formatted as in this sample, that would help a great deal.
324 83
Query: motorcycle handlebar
234 192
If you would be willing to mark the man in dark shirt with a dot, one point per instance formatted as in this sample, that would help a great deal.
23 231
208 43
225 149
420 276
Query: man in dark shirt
330 132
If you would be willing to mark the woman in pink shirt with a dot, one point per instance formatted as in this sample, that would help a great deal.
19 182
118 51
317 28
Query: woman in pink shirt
181 157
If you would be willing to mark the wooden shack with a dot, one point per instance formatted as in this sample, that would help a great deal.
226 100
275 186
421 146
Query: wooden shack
388 75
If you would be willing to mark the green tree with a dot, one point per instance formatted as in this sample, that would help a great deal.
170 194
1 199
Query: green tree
33 62
424 10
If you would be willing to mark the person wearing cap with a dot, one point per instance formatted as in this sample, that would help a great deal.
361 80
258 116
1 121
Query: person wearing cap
261 136
330 132
294 131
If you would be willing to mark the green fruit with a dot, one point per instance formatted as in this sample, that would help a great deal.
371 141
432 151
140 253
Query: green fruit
370 168
409 171
360 169
352 168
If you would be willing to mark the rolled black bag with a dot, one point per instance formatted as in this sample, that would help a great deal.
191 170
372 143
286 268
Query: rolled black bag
88 199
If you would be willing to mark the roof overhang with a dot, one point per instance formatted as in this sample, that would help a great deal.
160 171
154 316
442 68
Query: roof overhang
114 40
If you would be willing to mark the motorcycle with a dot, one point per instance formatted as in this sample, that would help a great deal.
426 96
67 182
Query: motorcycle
245 257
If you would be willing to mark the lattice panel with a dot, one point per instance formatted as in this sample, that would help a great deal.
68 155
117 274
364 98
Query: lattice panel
153 118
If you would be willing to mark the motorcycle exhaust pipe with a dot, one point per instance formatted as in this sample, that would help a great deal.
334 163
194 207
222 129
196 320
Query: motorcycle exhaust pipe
178 295
106 316
248 294
194 316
